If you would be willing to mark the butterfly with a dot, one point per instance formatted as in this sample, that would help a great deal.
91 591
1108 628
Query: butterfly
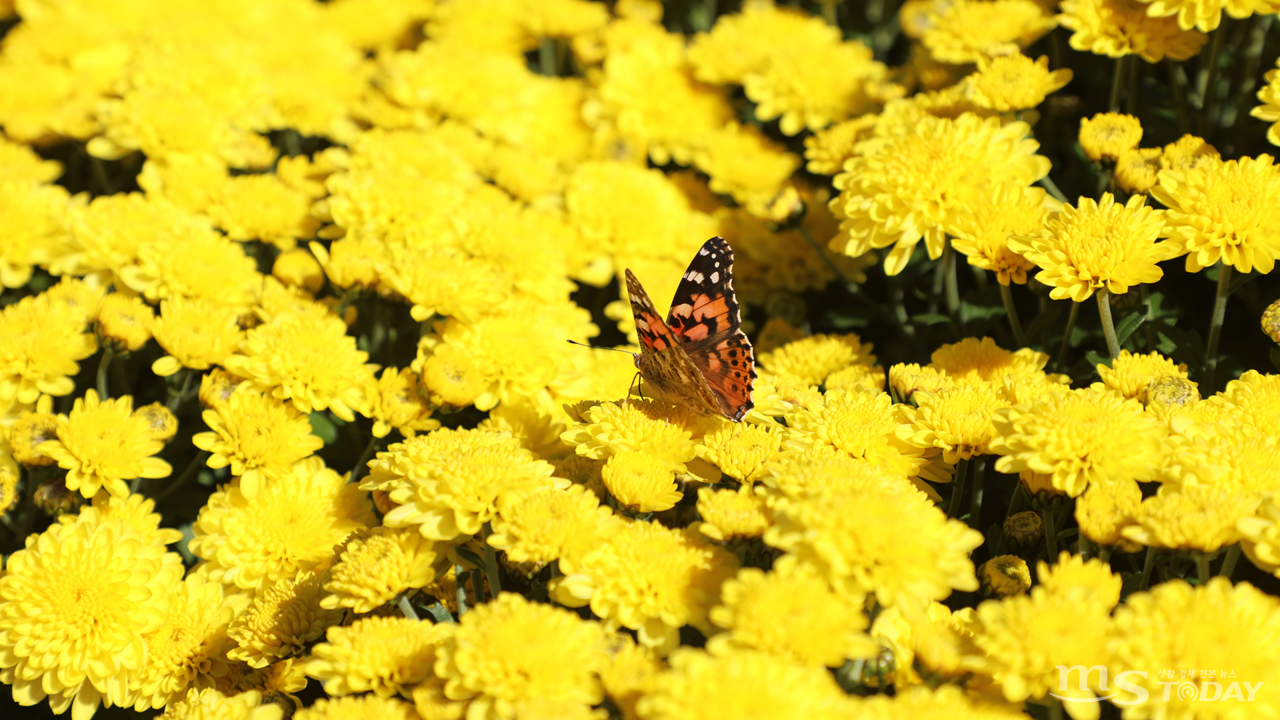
698 357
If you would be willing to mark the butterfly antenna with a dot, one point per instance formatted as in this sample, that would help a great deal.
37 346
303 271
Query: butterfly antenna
598 347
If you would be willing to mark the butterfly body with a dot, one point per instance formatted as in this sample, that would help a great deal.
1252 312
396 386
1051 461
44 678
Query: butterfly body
698 356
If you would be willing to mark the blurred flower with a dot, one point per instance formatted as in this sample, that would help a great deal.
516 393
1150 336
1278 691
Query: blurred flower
124 322
1206 14
1116 28
1137 169
978 361
195 334
913 180
216 387
258 436
969 30
827 150
36 228
1191 517
629 672
196 262
1106 508
1106 136
1269 110
262 207
1016 82
1223 211
1077 438
983 230
43 343
358 707
511 649
31 429
1004 576
1098 245
1255 399
401 403
102 443
1074 576
375 566
1187 153
812 359
298 268
385 655
292 525
211 703
283 618
1024 530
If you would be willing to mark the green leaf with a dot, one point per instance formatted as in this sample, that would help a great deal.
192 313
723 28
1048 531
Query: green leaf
1130 323
1095 359
1188 347
930 319
322 427
468 556
1044 322
1157 310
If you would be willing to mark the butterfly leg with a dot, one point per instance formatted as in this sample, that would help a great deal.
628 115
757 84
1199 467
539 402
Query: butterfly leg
635 384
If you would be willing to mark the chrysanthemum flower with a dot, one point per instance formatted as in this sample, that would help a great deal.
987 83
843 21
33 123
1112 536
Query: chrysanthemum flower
812 359
1098 245
360 707
282 619
742 683
1271 321
744 163
1016 82
1232 456
35 222
1224 211
857 538
1004 576
1269 110
1106 509
78 602
779 395
827 150
30 430
1116 28
292 525
1217 625
137 511
966 31
195 334
905 379
194 261
1188 152
447 483
187 650
1137 169
1131 374
1191 517
375 566
262 207
663 431
1108 135
1023 640
102 443
258 436
512 649
1079 437
982 232
1255 399
216 387
651 579
401 402
1207 14
124 322
981 360
862 425
913 181
1261 534
729 514
1073 575
628 673
298 267
385 655
212 703
793 613
1168 394
551 524
308 360
741 450
640 482
43 343
956 420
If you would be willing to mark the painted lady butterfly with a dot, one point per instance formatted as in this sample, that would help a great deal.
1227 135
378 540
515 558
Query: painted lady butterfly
699 356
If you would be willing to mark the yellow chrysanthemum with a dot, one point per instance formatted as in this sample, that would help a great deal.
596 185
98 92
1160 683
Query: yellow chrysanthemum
1016 82
827 150
1269 110
262 207
742 683
790 612
983 230
1233 456
956 420
258 436
195 334
187 650
651 579
1261 534
969 30
124 323
741 450
35 223
745 164
375 566
30 430
913 181
982 361
861 424
812 359
308 360
1224 211
1271 321
1098 245
385 655
1205 15
1004 576
102 443
1137 169
282 619
1131 374
197 262
1106 509
866 377
447 483
78 603
551 524
1191 517
640 482
906 379
663 431
512 649
298 267
292 525
1108 135
1216 626
1116 28
729 514
43 343
361 707
1255 399
401 402
858 540
212 704
216 387
1073 576
1079 437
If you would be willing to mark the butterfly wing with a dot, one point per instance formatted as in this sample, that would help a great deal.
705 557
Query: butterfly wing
707 320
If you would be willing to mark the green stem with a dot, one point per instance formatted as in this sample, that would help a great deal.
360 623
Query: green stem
829 12
1108 328
953 287
405 607
975 502
1066 335
957 488
460 576
477 585
363 461
1211 80
1179 95
1202 567
103 365
1229 562
1215 328
1144 293
1052 188
176 399
1146 568
1006 294
491 561
1104 554
439 613
1131 99
196 463
1117 83
547 57
1050 533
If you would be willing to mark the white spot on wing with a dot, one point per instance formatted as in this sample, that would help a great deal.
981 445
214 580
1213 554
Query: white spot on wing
715 277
